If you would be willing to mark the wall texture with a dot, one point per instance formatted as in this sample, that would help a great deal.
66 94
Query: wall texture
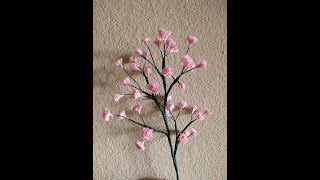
119 26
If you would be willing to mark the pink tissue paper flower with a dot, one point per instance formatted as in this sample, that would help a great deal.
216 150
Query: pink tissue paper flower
193 109
135 94
138 51
106 114
170 42
117 97
132 59
166 71
173 49
154 87
146 41
123 115
182 86
158 42
194 132
126 82
164 34
202 64
182 104
119 63
135 66
183 138
148 71
199 116
140 145
146 133
137 108
146 54
207 112
169 98
187 62
169 107
192 40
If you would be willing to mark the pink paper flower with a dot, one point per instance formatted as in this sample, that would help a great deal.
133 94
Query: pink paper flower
192 40
119 63
132 59
146 54
207 112
183 138
193 109
146 41
126 82
148 71
169 107
173 49
202 64
117 97
140 145
182 86
146 133
169 98
166 71
182 104
138 51
123 115
164 34
137 108
135 66
194 132
158 42
154 87
199 116
135 94
170 42
187 62
106 114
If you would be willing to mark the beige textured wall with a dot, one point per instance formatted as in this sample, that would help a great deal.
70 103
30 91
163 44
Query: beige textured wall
118 28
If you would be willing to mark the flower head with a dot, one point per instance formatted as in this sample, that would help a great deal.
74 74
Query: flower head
192 40
157 42
137 108
187 62
138 51
182 86
106 114
132 59
169 107
194 132
154 87
148 71
146 41
169 98
170 42
140 145
135 94
126 82
123 115
207 112
135 66
182 104
119 63
202 64
117 97
183 138
173 49
166 71
193 109
146 54
146 133
199 116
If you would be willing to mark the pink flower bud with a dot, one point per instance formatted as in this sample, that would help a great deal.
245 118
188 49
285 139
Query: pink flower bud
182 86
106 114
164 34
173 49
183 138
194 132
148 71
182 104
135 66
154 87
123 115
170 42
199 116
207 112
158 42
117 97
202 65
119 63
146 133
137 108
187 62
126 82
146 54
138 51
169 107
135 94
169 98
146 41
193 109
166 71
192 40
132 59
140 145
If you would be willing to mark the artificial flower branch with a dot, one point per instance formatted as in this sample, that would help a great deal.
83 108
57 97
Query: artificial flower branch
165 105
